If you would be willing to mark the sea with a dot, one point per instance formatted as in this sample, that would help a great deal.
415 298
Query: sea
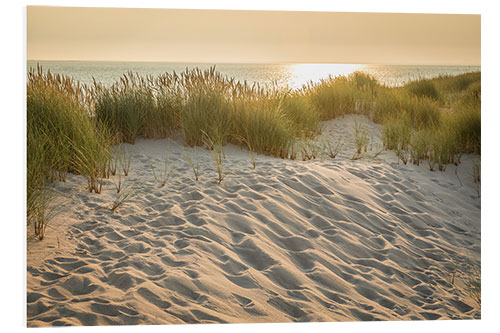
284 75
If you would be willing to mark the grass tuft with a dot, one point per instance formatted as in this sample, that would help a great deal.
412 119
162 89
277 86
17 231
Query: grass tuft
423 88
61 138
71 127
195 166
215 146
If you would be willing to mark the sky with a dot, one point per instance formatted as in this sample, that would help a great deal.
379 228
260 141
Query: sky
230 36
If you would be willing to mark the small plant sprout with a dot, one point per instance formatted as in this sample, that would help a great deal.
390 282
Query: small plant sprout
360 138
119 184
125 160
332 150
123 193
194 165
215 145
309 149
164 172
123 196
113 161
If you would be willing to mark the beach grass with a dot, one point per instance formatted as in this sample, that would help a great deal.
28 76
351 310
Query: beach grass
166 171
195 165
360 138
423 88
466 123
337 96
71 127
270 120
419 146
333 149
122 196
304 117
216 147
397 132
205 111
263 124
61 138
436 119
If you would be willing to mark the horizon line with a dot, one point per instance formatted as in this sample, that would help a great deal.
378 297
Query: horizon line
259 62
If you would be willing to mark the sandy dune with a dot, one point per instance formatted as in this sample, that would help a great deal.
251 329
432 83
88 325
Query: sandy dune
322 240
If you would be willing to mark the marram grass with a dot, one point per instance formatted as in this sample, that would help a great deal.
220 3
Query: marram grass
71 126
61 138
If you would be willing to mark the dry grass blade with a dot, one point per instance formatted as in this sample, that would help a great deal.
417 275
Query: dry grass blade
125 161
360 138
119 185
165 172
122 196
114 160
333 150
42 213
194 165
309 149
215 145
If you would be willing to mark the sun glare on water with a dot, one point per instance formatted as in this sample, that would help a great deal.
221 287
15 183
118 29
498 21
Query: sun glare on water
303 73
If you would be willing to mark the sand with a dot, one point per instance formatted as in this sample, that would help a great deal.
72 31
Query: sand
320 240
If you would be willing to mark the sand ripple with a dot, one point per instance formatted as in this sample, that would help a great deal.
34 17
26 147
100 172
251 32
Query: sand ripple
332 240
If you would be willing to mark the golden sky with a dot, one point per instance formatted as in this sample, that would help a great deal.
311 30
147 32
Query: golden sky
215 36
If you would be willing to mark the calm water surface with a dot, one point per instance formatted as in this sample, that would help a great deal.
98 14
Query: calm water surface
291 75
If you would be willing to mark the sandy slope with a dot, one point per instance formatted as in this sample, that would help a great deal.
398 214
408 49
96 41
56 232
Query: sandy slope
324 240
